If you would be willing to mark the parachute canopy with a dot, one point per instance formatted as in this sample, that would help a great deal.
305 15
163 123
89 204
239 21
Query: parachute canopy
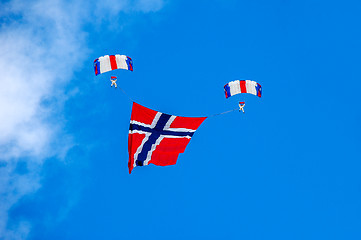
242 86
111 62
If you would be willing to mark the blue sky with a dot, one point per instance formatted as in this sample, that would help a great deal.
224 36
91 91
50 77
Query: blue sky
289 168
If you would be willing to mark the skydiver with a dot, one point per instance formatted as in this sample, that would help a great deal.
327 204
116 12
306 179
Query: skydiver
241 106
113 82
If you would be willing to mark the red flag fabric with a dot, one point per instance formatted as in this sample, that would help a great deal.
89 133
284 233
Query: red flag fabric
158 138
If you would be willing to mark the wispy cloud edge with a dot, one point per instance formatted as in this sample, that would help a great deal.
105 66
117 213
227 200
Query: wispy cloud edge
42 44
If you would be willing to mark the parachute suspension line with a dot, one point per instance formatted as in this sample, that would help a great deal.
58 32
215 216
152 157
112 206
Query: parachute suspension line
224 112
126 94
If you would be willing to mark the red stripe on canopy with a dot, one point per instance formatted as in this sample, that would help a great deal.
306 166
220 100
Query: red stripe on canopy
113 62
243 86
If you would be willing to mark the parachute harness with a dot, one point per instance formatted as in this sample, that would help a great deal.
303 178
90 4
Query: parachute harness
241 106
114 82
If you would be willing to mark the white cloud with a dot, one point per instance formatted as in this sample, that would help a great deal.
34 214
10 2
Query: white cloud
41 45
37 47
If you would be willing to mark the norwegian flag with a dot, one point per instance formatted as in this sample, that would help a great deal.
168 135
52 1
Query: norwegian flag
158 138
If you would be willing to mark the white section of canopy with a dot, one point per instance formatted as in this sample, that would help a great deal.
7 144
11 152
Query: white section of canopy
121 61
251 87
104 64
234 87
